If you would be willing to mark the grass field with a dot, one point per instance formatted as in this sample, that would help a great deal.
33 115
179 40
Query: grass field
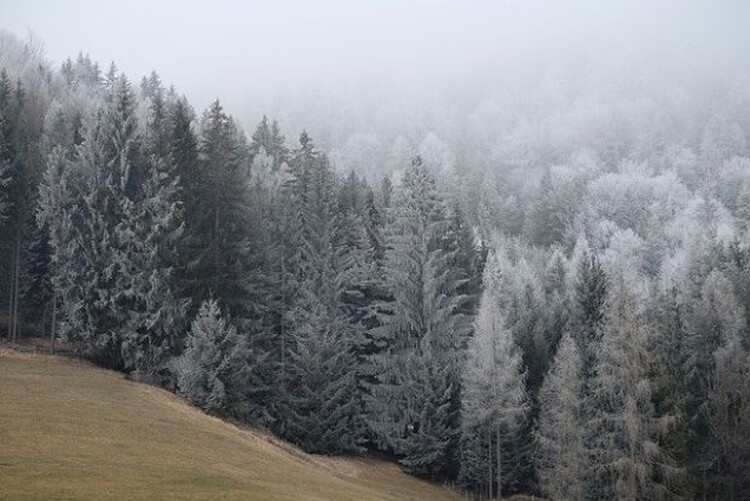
72 431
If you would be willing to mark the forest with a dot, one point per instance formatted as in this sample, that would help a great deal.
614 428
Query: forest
551 299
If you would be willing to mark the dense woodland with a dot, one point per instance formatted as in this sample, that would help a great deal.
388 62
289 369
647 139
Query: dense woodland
562 311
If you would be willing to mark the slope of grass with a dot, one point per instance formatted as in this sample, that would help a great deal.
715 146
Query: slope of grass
72 431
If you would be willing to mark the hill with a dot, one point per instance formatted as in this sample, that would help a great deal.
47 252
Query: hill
72 431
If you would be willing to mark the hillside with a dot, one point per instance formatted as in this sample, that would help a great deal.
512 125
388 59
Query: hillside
72 431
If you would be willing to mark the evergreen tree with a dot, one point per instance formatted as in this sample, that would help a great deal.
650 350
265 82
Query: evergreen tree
561 454
729 419
269 138
220 220
587 312
494 400
96 259
212 370
426 307
716 318
626 458
157 231
323 412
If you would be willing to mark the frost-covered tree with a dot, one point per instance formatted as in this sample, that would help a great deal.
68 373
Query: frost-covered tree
212 372
96 262
219 221
268 137
321 402
493 399
157 230
729 418
626 460
561 452
5 180
425 313
588 307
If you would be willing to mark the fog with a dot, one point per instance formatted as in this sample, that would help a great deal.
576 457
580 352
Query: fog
341 67
511 252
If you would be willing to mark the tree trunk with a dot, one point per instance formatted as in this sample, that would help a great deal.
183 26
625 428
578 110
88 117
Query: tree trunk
53 326
283 317
489 449
498 453
10 291
16 273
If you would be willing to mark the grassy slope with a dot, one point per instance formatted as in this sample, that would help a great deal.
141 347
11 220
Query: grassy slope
68 430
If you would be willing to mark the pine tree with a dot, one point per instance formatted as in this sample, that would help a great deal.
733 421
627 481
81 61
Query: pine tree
729 418
626 458
212 370
95 259
716 318
561 454
322 412
269 138
53 203
494 400
157 230
587 312
220 220
429 431
323 402
426 307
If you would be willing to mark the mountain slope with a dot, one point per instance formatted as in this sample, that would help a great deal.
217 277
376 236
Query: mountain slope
72 431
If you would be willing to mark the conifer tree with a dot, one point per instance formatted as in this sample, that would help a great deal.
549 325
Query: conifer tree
323 412
729 418
212 370
494 400
97 255
587 312
561 454
626 458
426 307
218 266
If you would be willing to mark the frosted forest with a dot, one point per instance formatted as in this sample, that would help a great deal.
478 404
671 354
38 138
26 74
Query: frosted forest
539 290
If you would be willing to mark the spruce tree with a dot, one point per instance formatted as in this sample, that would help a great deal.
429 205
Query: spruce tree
426 307
587 312
212 372
96 257
322 403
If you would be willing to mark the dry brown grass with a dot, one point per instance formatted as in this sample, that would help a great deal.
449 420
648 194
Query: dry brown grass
72 431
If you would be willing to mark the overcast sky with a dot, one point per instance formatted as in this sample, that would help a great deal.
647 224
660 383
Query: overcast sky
241 51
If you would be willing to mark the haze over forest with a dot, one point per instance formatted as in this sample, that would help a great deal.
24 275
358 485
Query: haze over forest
339 68
504 245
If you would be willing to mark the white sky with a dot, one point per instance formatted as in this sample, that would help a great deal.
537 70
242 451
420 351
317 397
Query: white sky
245 50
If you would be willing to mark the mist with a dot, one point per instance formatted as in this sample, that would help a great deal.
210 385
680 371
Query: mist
500 246
277 57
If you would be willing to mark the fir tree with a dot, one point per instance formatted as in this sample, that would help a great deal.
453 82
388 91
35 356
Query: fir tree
212 370
587 312
426 307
